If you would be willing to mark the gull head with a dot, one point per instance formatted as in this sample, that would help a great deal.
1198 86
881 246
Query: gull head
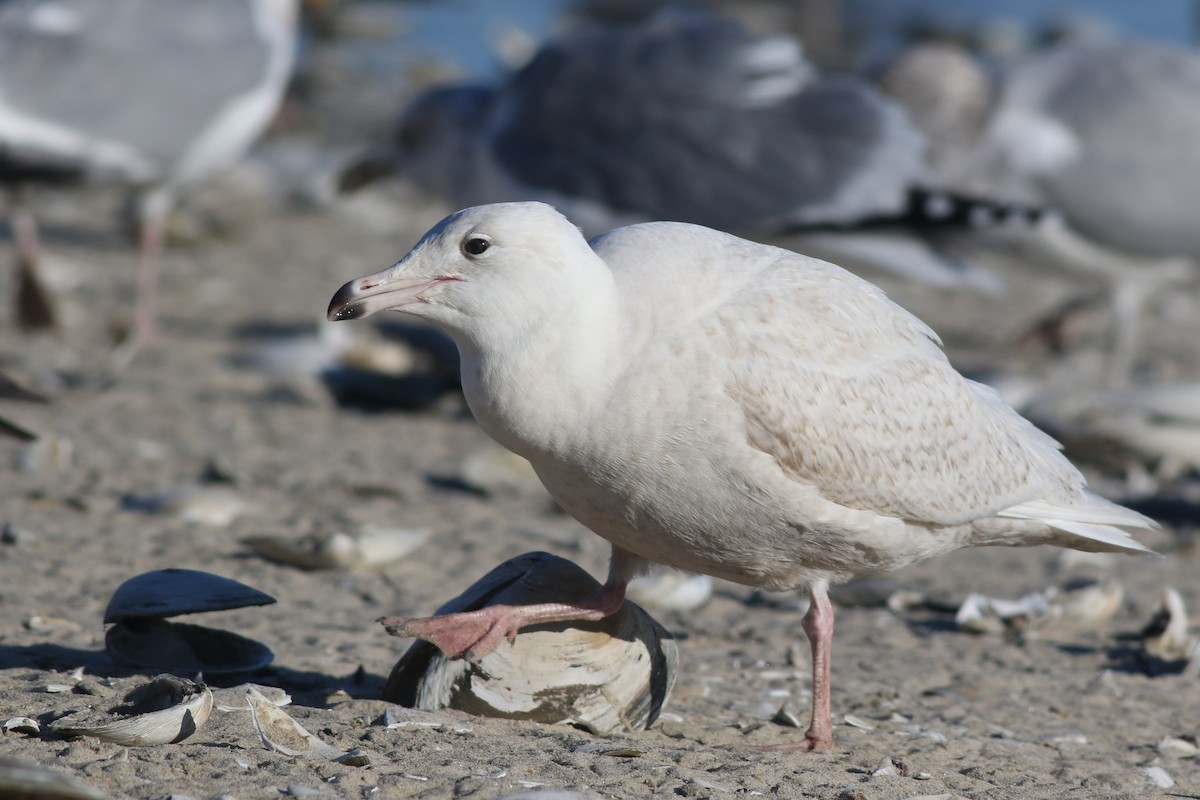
496 262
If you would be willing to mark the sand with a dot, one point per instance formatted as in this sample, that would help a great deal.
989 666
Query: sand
951 713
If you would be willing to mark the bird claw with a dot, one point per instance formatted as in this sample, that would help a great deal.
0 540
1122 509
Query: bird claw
469 635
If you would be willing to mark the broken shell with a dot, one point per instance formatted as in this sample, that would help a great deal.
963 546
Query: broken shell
141 638
608 676
214 506
1085 606
233 698
25 725
21 780
282 734
166 710
1053 613
1167 646
371 547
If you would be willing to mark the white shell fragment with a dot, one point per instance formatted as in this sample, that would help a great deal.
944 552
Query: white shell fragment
212 506
166 710
282 734
21 780
1174 746
371 548
1167 645
608 676
1054 613
233 698
142 638
671 590
23 725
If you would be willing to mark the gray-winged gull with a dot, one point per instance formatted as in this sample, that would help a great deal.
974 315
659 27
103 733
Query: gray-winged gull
155 94
686 116
1103 132
724 407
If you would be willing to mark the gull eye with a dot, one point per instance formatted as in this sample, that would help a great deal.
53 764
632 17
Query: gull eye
475 245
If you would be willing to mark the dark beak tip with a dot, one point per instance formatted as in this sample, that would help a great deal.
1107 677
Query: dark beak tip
343 306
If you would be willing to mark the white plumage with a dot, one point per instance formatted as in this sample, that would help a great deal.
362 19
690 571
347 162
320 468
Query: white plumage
726 407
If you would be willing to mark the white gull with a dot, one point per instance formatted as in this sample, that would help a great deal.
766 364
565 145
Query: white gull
724 407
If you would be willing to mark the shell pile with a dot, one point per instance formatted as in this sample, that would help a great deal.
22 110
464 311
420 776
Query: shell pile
142 638
609 676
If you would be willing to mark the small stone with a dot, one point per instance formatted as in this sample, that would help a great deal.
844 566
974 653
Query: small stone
354 758
11 534
91 687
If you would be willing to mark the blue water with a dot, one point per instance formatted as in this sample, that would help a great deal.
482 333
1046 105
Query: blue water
461 31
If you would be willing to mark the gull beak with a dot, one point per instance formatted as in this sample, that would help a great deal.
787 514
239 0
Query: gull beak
390 289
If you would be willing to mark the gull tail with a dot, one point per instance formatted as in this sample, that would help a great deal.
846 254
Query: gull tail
1094 526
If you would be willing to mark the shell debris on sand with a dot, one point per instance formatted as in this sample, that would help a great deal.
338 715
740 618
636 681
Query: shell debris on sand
1167 643
22 780
166 710
282 734
212 506
370 547
609 676
1054 613
141 636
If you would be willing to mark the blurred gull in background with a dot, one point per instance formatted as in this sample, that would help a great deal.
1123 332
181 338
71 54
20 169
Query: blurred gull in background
684 117
1103 132
153 94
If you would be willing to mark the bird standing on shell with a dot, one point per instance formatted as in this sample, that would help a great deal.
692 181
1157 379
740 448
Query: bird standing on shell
153 94
724 407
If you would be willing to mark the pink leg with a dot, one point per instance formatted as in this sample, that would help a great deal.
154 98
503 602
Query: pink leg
818 626
474 634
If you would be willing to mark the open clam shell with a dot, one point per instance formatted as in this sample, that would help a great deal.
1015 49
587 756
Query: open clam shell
166 710
172 592
608 676
142 638
157 644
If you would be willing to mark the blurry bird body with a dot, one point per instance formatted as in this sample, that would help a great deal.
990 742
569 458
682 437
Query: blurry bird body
152 94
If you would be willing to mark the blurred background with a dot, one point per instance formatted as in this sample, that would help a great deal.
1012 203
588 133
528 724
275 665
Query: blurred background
185 185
